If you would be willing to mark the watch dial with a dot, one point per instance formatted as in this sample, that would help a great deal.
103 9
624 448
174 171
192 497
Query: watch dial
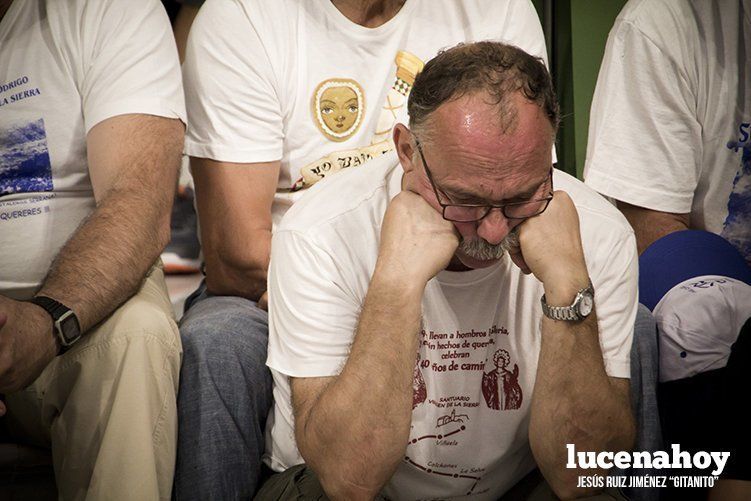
585 307
69 328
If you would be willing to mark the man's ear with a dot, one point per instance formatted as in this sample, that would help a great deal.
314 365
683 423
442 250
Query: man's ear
405 147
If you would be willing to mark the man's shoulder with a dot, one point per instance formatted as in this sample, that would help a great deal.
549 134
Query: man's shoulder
346 197
594 210
660 19
76 25
262 32
84 10
270 7
259 13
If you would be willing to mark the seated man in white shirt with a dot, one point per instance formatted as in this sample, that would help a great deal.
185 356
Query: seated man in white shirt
91 128
410 351
281 95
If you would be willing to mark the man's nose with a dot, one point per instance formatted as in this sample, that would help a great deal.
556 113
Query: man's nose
494 227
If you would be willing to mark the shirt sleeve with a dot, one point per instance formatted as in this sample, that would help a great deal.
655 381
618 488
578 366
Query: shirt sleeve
522 28
615 280
230 87
644 144
312 316
130 62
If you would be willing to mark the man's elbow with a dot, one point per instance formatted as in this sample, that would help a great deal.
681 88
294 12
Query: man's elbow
618 436
350 476
626 438
232 278
567 485
173 140
163 232
338 487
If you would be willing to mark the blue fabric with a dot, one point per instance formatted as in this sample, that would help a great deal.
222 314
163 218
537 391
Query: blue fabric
682 255
644 378
224 398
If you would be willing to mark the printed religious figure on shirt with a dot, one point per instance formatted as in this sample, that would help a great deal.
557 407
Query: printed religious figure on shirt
500 387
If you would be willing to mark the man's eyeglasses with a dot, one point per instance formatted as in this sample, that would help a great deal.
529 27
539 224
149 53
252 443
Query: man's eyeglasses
470 213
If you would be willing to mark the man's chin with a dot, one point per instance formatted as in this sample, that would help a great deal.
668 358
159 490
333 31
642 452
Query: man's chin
474 263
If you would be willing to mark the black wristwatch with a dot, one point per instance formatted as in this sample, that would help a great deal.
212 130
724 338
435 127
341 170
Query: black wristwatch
64 321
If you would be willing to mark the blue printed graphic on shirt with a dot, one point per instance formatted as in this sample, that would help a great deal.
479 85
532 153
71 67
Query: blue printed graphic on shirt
737 226
25 165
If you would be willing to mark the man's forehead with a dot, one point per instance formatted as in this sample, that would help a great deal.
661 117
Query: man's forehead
478 158
465 120
476 120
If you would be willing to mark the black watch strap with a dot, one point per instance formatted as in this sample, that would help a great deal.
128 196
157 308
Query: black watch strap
54 308
65 323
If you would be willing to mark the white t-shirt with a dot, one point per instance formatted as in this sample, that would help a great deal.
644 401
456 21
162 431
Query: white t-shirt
65 66
671 115
480 343
296 81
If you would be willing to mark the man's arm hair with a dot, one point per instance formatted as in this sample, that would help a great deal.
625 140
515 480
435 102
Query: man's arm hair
133 164
234 209
352 429
574 401
650 225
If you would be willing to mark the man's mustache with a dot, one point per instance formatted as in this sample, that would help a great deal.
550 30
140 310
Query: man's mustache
477 248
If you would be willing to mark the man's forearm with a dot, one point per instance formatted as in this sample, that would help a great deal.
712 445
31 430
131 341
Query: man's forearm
133 163
106 259
574 402
234 204
356 432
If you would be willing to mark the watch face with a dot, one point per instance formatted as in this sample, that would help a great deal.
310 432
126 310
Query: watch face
69 328
586 305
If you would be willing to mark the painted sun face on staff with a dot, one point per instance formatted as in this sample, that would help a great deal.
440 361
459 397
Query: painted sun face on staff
338 107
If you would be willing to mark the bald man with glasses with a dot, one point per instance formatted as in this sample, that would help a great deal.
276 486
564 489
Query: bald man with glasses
412 358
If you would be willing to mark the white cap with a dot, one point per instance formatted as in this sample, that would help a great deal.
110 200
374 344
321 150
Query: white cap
699 320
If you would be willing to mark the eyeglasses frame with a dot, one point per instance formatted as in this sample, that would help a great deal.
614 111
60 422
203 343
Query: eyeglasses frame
488 207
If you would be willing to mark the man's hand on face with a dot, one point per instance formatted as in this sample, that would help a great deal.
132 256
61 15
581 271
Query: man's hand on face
27 343
550 245
416 242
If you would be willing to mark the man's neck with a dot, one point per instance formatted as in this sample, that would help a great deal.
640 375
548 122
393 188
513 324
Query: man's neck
368 13
4 6
456 265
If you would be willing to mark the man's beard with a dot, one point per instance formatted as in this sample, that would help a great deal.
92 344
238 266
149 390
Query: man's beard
479 249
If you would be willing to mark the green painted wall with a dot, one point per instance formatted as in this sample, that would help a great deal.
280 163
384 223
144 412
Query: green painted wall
590 26
579 31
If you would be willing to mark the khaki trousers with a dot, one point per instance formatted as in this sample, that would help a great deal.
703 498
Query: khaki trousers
107 407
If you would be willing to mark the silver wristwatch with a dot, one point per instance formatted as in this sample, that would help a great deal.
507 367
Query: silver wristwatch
583 304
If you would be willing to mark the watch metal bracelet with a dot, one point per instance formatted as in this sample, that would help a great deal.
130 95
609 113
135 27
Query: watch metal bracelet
579 309
558 312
